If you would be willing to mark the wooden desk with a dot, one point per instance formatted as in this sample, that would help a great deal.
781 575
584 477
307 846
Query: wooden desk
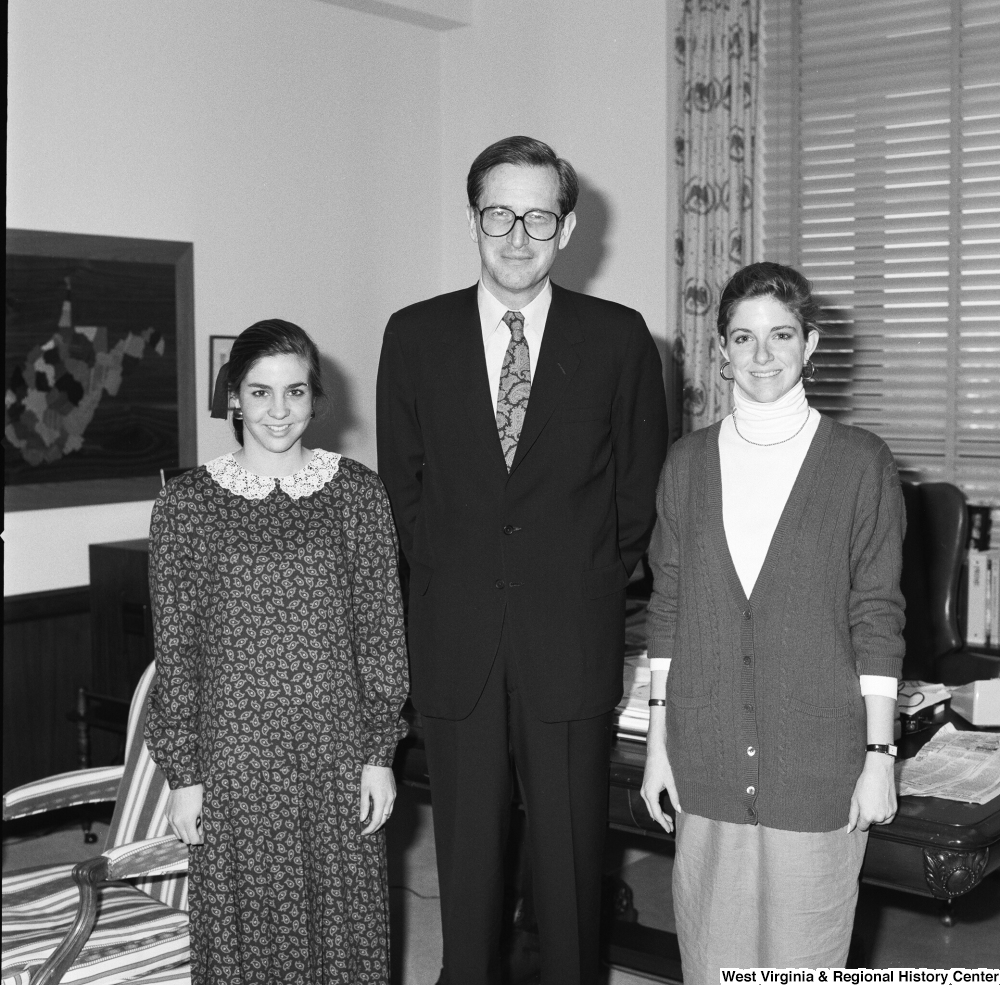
120 616
933 847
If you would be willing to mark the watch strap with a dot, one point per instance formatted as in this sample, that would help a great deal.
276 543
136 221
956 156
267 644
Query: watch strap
879 747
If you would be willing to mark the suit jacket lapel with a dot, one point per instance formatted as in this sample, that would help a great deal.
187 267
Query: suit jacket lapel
557 362
466 357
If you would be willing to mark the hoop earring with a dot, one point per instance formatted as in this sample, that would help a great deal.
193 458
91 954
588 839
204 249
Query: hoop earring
237 414
808 371
722 373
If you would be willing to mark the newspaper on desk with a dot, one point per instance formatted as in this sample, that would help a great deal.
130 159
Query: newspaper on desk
632 713
953 765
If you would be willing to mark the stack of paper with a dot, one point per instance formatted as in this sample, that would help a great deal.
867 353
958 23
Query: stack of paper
953 765
632 713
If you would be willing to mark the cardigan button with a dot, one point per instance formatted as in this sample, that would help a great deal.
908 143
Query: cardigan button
748 708
751 751
751 790
747 614
748 660
499 583
509 529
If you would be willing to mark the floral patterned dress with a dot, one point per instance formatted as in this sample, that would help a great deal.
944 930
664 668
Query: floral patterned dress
281 671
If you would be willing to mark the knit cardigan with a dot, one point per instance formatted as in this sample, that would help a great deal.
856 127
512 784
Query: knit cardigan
765 719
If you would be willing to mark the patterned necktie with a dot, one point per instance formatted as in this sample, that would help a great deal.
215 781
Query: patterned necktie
515 385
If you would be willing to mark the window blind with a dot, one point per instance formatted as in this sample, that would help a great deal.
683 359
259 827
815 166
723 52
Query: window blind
881 149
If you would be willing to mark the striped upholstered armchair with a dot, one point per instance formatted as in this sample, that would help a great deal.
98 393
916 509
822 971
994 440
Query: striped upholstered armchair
125 919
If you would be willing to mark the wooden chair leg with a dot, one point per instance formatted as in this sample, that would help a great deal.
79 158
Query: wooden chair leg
82 730
947 914
83 753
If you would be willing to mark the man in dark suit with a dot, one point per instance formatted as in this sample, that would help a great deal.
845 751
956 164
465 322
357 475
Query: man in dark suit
521 430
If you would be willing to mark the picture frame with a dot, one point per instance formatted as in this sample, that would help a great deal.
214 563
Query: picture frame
218 355
121 310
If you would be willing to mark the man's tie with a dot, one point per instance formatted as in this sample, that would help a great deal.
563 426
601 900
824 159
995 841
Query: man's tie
515 385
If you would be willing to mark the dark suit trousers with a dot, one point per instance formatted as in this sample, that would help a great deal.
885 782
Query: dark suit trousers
562 768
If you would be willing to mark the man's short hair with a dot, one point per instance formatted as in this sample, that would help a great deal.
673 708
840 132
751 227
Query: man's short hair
526 152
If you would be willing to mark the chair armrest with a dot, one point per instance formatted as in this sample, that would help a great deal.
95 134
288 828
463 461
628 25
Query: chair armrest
63 790
151 857
965 665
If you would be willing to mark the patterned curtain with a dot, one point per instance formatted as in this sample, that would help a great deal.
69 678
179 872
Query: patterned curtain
717 47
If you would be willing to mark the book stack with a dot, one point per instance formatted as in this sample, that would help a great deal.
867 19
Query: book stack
982 611
632 713
982 617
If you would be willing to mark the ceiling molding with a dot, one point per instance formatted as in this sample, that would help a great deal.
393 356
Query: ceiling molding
412 12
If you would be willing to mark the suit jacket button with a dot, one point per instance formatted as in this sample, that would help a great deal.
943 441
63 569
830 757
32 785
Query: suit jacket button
499 583
508 530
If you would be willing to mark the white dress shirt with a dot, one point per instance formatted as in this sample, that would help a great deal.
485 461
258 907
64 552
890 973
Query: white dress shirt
496 334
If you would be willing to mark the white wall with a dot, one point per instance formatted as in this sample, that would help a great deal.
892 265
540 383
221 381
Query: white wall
280 137
271 135
591 79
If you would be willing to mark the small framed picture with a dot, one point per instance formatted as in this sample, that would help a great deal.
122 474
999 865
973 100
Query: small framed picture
218 356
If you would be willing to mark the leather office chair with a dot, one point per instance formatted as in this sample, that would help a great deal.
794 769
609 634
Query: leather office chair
937 528
106 929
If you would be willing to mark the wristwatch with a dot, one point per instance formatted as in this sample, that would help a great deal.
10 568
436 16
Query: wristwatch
876 747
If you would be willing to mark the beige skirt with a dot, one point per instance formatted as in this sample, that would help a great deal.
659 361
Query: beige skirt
746 896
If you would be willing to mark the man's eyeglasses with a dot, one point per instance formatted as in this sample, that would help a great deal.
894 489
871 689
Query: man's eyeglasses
538 224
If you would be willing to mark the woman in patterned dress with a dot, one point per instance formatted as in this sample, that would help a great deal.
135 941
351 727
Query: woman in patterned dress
281 671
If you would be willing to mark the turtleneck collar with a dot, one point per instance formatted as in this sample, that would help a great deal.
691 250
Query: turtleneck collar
775 421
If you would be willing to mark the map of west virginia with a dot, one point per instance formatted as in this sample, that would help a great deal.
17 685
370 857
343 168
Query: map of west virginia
52 396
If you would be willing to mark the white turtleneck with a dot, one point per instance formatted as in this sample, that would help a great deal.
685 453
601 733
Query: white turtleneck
757 478
761 449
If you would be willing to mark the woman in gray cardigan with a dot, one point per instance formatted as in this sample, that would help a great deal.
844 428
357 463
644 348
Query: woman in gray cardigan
775 639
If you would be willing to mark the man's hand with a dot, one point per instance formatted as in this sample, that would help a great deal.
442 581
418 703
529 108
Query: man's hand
874 797
378 794
184 813
658 777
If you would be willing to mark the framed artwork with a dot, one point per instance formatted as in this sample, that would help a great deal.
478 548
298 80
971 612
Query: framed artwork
99 368
218 355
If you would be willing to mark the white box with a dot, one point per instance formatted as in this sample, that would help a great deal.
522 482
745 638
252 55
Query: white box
978 702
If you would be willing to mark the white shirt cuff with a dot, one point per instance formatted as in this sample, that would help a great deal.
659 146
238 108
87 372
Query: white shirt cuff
659 663
876 684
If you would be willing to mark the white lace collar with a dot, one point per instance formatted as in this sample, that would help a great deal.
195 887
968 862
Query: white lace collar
229 474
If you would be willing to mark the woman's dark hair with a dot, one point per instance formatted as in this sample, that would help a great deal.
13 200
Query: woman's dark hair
271 337
526 152
773 280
